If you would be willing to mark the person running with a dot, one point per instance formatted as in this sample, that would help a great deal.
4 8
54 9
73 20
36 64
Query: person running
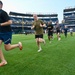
38 27
71 31
58 30
65 31
6 35
50 31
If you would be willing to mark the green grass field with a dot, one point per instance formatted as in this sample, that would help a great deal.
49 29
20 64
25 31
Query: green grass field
57 58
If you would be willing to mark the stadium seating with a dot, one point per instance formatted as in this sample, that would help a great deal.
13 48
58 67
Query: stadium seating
69 17
22 22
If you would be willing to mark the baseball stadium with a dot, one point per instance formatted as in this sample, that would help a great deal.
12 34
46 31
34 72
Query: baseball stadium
56 56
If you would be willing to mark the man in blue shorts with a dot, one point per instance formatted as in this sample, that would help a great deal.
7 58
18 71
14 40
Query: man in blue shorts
6 34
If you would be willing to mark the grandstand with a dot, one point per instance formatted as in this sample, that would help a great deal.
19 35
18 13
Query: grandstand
69 17
22 22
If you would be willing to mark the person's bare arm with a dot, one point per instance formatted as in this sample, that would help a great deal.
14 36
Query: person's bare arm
44 25
6 23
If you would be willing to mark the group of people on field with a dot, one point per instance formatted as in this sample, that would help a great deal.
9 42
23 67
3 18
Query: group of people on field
6 33
66 29
38 27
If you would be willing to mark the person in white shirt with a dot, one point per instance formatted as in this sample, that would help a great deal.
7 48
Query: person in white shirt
71 31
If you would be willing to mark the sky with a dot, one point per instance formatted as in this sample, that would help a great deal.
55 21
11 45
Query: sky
38 6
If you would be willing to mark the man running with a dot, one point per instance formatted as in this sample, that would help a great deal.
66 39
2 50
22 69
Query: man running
38 27
50 31
6 34
58 30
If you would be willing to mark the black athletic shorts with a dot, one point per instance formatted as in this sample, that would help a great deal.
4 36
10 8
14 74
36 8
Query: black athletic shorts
39 36
50 33
58 31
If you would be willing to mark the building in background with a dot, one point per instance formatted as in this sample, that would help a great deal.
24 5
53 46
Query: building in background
69 17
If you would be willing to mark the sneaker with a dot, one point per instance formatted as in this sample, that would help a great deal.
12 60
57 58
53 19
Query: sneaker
39 50
20 45
2 64
59 39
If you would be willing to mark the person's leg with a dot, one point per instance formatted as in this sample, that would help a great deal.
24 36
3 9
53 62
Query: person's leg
38 44
51 34
71 33
49 38
66 34
59 36
10 47
7 37
3 61
39 39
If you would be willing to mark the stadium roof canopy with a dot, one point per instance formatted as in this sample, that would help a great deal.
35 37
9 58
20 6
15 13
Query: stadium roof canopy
31 15
69 9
